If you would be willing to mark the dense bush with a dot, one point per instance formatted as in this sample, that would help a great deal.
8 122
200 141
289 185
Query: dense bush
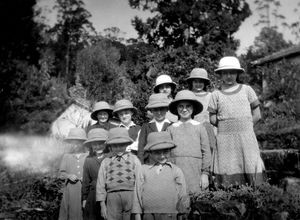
30 196
263 202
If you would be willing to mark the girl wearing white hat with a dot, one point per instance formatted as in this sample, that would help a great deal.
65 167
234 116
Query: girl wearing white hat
165 84
234 109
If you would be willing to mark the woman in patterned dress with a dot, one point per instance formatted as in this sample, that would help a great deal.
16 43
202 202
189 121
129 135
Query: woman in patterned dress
234 109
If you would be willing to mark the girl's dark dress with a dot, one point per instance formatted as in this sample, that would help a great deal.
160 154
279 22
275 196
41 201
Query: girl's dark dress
90 173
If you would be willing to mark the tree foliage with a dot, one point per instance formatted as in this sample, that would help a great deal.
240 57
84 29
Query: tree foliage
69 35
182 22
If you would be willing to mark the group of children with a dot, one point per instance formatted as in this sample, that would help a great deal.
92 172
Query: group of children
149 171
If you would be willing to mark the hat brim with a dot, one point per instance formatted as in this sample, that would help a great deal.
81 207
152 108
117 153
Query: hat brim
94 114
159 146
94 140
157 105
189 79
133 109
119 140
173 86
239 70
197 106
69 139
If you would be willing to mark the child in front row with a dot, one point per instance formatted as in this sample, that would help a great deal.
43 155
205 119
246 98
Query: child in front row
116 177
158 105
160 191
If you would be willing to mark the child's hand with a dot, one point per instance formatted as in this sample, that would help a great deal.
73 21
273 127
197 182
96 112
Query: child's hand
103 210
83 203
72 177
204 181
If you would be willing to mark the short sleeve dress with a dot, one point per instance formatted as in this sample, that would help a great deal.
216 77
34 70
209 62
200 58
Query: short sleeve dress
236 159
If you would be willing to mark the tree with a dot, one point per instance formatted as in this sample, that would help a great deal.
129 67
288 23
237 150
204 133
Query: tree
19 42
191 22
70 34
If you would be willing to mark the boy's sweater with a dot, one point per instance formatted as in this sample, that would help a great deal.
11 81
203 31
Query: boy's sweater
117 173
160 189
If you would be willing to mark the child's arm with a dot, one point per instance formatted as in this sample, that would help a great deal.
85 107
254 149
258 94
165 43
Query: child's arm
137 194
256 115
206 157
101 182
103 209
86 179
213 119
183 203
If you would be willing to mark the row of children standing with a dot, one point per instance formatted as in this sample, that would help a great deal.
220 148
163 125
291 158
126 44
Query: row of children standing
178 140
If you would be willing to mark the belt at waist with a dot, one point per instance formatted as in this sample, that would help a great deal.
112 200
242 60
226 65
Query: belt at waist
235 126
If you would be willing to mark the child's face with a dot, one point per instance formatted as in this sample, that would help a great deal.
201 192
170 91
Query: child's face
125 116
198 85
165 88
97 146
185 110
76 146
102 116
160 156
159 114
118 148
229 77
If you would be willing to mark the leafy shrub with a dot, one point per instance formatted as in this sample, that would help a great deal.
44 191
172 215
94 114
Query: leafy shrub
244 202
30 196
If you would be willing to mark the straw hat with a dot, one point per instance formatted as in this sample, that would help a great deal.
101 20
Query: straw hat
96 134
158 100
229 63
159 141
164 79
198 73
118 135
100 106
122 105
186 95
76 134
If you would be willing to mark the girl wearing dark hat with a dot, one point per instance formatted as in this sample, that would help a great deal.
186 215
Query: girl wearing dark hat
192 153
96 144
102 113
160 189
234 109
71 170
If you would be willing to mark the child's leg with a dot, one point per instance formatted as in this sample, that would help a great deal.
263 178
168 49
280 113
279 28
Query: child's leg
114 206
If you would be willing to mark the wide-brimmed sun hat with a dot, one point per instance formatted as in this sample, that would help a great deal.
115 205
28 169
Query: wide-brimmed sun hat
229 63
76 134
163 79
96 134
122 105
118 135
198 73
159 141
101 106
186 95
158 100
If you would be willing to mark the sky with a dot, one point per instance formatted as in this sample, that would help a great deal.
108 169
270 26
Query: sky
117 13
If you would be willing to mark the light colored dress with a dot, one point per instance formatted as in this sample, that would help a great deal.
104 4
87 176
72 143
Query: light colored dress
70 208
236 159
191 154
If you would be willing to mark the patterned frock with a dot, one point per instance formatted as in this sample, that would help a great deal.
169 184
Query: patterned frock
70 208
237 157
